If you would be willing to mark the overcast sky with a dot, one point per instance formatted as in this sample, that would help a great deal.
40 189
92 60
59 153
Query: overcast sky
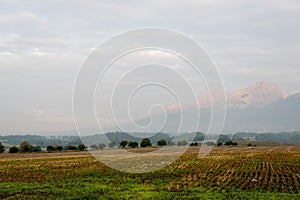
44 43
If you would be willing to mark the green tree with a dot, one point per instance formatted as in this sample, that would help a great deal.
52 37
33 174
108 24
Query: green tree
194 144
145 143
13 149
101 146
161 143
123 143
70 147
58 148
36 149
230 143
133 144
25 147
50 148
81 147
1 148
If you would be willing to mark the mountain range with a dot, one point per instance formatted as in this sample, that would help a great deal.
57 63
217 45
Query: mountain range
262 106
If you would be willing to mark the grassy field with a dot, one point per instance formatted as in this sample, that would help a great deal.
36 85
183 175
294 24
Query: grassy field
261 172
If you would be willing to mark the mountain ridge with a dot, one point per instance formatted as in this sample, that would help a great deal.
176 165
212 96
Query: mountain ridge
258 95
260 106
257 107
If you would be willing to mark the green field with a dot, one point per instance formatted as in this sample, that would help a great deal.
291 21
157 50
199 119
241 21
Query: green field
262 172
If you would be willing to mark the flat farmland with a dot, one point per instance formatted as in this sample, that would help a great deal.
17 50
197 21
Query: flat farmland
267 171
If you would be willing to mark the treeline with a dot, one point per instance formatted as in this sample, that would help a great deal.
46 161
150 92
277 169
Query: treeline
193 139
145 142
118 137
26 147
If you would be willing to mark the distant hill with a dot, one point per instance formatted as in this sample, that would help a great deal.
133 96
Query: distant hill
261 106
279 115
281 137
39 140
117 137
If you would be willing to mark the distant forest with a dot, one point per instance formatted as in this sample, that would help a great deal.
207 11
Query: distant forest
117 137
283 137
41 141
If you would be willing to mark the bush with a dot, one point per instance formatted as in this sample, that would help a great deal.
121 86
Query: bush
70 147
59 148
36 149
145 143
25 147
1 148
13 149
123 143
81 147
249 145
50 148
133 144
219 144
230 143
161 143
194 144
